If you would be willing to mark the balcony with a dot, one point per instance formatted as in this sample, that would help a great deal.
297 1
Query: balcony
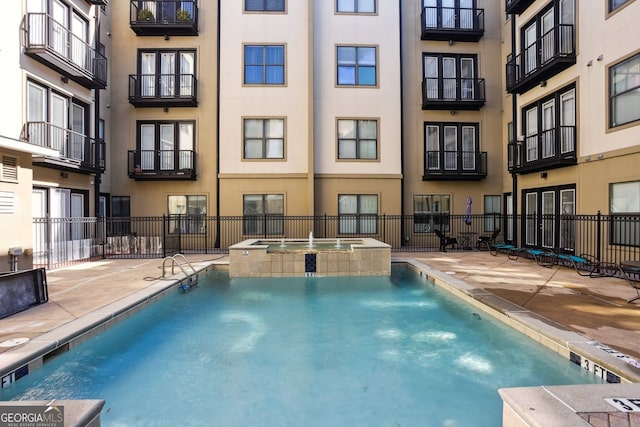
455 165
551 149
78 152
448 23
54 45
554 52
163 90
452 94
164 17
162 165
99 2
516 7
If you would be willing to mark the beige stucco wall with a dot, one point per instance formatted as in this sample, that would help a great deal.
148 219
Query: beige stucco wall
489 117
150 197
293 187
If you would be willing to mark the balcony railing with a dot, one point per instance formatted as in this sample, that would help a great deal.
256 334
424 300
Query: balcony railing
163 90
552 53
448 23
455 165
452 94
516 7
550 149
77 151
149 165
53 44
99 2
164 17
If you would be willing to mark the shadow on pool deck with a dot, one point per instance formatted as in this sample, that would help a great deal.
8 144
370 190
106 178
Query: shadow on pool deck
595 307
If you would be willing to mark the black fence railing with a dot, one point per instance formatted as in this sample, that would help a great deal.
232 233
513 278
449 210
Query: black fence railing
62 241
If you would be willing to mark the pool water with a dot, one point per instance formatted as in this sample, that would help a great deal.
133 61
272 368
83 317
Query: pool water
335 351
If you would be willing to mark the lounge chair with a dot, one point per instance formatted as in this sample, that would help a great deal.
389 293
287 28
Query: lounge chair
632 274
584 264
543 257
487 241
445 241
507 248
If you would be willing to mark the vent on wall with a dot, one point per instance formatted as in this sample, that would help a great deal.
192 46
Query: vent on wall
9 168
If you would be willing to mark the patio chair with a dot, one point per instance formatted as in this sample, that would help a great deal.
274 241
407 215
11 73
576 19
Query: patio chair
584 264
445 241
487 241
543 257
512 251
632 274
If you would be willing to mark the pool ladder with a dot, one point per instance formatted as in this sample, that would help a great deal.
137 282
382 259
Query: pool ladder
190 280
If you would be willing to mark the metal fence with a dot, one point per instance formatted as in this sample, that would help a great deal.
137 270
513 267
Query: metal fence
62 241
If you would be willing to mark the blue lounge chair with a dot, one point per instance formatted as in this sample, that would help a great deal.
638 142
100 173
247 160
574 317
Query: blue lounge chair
632 274
543 257
584 264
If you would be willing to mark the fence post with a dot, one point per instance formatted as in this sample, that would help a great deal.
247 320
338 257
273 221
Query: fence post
164 236
49 241
598 236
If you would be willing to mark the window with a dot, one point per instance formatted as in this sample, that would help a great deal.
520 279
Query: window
263 214
357 139
431 212
263 138
491 213
549 221
624 103
264 65
356 6
451 146
357 213
166 74
449 13
450 77
615 4
121 216
625 201
550 125
264 5
357 66
187 214
165 146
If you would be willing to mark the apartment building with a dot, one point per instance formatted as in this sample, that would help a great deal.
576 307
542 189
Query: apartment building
572 108
54 70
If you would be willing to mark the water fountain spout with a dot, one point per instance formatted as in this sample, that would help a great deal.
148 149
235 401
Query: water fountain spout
282 245
311 239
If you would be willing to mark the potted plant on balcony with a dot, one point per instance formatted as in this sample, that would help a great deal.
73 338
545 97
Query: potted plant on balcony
137 169
145 15
183 15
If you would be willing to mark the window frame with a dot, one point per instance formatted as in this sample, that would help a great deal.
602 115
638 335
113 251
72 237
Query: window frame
264 223
436 217
356 66
176 78
613 124
356 11
357 139
622 229
492 218
358 222
442 88
264 65
459 158
187 222
264 8
612 7
264 138
158 164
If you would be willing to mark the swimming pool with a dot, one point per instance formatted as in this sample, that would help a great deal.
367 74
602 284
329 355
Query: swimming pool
302 351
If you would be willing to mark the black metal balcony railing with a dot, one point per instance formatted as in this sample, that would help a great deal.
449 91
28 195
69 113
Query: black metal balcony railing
552 53
455 165
448 23
163 90
99 2
550 149
453 94
55 45
516 7
148 165
77 151
164 17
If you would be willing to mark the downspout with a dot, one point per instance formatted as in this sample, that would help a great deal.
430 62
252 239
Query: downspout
402 183
514 119
96 125
217 133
